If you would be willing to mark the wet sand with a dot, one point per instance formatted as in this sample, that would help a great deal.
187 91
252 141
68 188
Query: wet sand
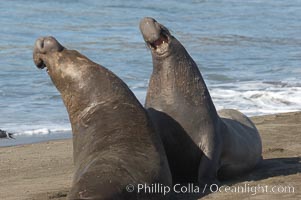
43 171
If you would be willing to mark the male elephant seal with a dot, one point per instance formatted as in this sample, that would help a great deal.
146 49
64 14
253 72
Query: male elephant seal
114 142
229 141
5 134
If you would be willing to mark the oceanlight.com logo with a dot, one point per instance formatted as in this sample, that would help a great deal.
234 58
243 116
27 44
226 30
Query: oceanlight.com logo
195 189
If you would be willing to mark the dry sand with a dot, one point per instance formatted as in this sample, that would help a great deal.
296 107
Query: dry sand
43 171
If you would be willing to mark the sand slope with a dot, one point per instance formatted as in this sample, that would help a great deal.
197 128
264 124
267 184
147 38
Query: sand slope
42 168
43 171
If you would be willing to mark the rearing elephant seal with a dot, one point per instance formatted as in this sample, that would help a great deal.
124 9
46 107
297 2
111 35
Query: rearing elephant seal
114 141
229 141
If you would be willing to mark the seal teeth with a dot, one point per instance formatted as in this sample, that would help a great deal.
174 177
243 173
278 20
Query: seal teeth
160 41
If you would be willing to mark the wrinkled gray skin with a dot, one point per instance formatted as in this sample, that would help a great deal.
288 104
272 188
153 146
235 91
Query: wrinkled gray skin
6 135
229 141
114 141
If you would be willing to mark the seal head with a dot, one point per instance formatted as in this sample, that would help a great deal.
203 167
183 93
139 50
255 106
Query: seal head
45 45
156 36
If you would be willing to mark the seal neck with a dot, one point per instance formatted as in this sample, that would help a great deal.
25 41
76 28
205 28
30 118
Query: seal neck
179 76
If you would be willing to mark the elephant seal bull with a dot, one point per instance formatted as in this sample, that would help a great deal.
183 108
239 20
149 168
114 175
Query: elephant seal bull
229 141
114 142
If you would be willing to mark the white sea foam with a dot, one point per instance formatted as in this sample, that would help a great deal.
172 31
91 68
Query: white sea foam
255 98
37 130
251 98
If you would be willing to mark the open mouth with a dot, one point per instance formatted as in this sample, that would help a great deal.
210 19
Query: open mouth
41 65
160 45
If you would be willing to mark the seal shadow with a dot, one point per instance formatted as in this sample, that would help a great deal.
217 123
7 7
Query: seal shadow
273 167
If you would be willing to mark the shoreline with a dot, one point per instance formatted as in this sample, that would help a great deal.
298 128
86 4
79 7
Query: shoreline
44 170
20 140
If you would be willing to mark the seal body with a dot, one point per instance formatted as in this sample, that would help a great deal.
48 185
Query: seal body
228 143
114 141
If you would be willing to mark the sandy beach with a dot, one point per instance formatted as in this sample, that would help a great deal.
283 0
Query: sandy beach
43 171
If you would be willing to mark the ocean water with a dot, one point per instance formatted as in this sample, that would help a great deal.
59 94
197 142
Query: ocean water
249 53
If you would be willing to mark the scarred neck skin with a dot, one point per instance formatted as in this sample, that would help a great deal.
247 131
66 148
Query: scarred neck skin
179 89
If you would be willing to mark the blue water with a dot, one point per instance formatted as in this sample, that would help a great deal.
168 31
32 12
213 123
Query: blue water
248 52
